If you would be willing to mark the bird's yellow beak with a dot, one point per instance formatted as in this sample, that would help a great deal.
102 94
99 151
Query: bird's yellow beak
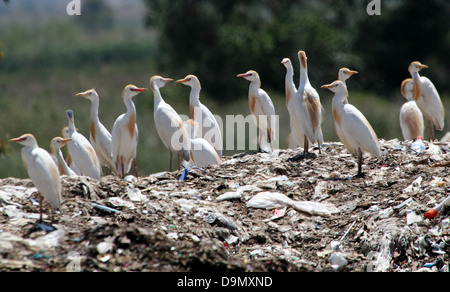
327 86
66 140
168 79
352 72
243 75
182 80
422 66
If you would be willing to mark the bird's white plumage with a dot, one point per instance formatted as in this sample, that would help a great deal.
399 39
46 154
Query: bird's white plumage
351 126
296 138
81 151
427 97
411 118
125 133
168 123
42 169
201 152
99 137
209 128
55 146
262 109
308 107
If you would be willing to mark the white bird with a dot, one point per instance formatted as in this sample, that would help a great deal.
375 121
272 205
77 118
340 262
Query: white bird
209 128
169 124
411 118
125 133
42 170
308 107
69 161
99 136
344 74
55 146
351 126
427 98
81 151
296 137
261 107
201 153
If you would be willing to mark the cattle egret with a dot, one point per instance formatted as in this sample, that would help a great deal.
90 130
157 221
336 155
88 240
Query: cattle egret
296 137
125 133
55 146
411 119
344 74
261 107
81 151
351 126
99 136
427 98
169 124
209 128
201 153
65 134
42 171
308 107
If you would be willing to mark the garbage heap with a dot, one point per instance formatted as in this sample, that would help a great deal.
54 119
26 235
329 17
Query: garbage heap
256 212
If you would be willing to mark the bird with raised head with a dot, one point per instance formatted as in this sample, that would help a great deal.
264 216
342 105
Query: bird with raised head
262 109
427 98
42 170
124 134
209 128
168 123
99 136
352 127
308 107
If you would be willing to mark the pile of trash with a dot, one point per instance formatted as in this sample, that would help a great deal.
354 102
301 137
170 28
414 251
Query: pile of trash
255 212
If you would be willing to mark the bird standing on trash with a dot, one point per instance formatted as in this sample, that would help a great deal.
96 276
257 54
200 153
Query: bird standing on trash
308 107
81 151
261 107
351 126
427 98
56 144
411 118
42 171
99 136
209 128
296 137
169 124
125 133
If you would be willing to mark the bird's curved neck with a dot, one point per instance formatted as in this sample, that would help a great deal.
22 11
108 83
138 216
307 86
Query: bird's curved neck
95 104
254 86
131 109
340 98
72 128
194 96
304 79
289 82
157 96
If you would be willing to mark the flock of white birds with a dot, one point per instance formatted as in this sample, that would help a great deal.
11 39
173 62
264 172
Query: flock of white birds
198 141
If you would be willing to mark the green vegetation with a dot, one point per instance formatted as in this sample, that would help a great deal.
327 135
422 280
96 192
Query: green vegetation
44 63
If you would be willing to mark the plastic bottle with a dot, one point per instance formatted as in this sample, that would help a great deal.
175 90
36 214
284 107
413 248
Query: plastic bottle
418 145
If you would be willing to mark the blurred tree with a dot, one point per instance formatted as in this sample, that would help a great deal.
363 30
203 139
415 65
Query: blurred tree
96 15
408 31
216 40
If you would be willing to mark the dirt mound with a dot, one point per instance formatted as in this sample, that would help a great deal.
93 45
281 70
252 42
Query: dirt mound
255 212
